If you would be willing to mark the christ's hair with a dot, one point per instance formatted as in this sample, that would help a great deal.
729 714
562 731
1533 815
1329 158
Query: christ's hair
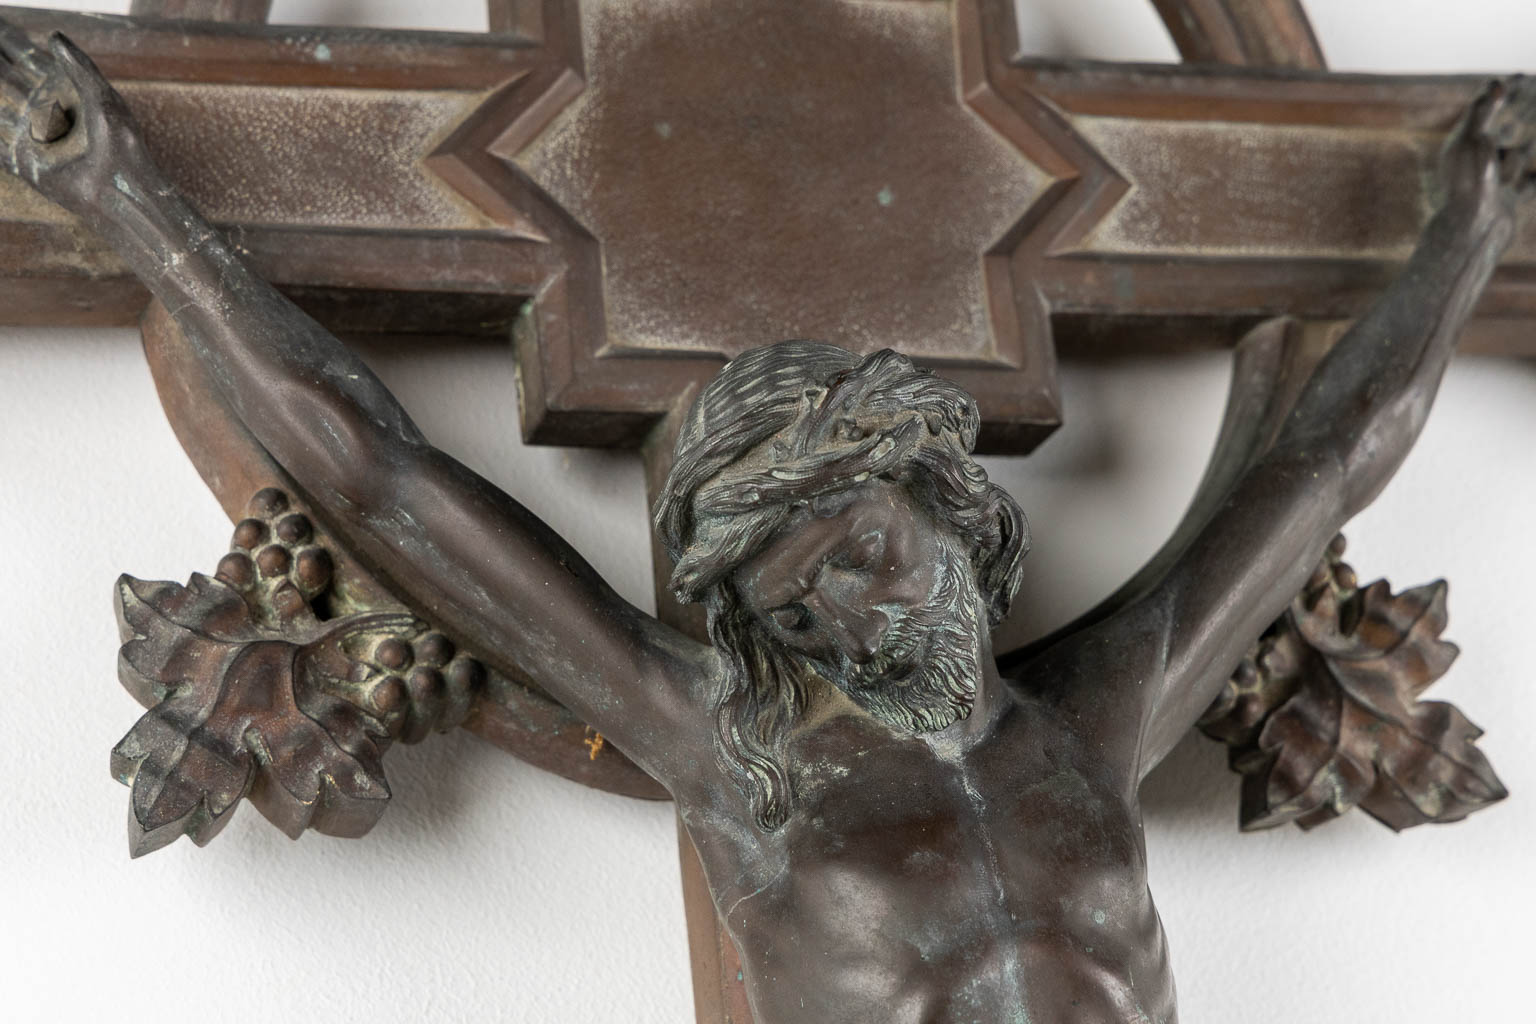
776 429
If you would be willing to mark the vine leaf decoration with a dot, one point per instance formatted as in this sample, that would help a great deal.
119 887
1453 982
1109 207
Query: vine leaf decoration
239 715
251 694
1323 714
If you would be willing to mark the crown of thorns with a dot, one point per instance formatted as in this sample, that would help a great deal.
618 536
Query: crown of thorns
830 444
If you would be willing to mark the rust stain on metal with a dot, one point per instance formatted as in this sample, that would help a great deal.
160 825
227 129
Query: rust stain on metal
594 742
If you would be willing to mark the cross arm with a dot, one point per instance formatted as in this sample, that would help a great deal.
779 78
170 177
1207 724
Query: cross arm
264 129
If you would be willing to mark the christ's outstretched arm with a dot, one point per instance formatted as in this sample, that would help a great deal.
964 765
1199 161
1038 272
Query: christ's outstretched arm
459 548
1351 427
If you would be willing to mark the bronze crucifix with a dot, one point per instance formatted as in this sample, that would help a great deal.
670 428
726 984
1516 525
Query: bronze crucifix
869 415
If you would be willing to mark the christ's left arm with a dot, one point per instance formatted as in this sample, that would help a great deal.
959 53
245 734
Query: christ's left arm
1351 427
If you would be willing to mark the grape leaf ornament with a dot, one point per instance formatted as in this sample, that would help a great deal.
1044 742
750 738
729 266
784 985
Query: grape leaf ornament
1323 714
252 695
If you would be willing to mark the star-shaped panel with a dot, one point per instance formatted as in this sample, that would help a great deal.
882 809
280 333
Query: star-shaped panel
758 171
712 175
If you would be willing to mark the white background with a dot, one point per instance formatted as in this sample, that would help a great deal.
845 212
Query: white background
494 892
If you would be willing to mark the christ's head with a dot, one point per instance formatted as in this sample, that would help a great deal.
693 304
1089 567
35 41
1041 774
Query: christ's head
827 512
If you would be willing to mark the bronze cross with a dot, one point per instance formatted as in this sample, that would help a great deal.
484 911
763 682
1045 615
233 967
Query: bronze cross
636 196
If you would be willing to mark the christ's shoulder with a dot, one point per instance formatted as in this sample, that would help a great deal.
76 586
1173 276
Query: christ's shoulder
1089 691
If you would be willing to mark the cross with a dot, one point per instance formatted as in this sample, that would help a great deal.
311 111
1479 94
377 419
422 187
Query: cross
896 153
1066 204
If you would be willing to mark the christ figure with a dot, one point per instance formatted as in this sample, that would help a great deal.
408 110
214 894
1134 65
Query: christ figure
892 828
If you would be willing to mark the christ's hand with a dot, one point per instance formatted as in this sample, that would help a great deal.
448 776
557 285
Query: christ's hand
1486 166
63 128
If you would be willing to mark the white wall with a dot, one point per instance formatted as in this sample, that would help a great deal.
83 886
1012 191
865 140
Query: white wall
492 891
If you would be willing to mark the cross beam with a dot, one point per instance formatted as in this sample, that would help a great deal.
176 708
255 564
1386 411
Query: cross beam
905 177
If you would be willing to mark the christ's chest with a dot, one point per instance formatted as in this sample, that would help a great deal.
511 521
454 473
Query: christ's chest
913 880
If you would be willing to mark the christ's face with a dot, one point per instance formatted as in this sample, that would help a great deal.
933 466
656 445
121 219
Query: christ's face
869 591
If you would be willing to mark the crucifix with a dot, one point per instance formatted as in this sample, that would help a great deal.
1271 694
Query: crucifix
567 216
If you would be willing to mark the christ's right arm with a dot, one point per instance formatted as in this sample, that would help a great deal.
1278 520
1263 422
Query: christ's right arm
458 548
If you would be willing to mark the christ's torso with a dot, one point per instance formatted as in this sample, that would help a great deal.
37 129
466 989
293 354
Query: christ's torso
915 884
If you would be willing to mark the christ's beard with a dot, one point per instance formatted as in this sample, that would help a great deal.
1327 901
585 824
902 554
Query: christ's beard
924 676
